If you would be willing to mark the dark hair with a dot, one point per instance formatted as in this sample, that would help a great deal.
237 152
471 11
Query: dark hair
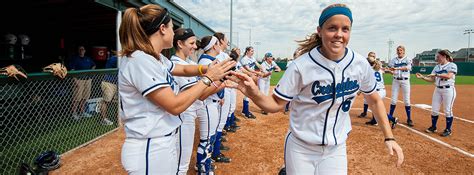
181 34
247 49
219 35
204 42
139 23
446 53
234 55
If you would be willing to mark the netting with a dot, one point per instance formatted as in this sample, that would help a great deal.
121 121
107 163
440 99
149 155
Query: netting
37 114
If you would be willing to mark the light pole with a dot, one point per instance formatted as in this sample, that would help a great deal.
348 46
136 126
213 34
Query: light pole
390 45
231 24
257 43
468 32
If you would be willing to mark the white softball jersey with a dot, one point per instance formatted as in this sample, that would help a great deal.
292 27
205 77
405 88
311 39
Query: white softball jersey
268 68
321 92
139 75
444 69
248 61
185 82
401 62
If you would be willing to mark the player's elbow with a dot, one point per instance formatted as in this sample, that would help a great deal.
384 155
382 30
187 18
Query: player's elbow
175 111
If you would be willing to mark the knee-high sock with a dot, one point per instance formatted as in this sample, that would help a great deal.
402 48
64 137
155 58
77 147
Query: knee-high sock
245 108
232 119
217 145
366 106
203 155
434 120
392 109
408 110
390 118
449 122
228 121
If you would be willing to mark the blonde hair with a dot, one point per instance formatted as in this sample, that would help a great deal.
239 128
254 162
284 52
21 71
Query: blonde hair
376 64
401 47
313 40
132 33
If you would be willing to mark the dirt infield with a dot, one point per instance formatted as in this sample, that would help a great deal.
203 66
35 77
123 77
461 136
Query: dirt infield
257 147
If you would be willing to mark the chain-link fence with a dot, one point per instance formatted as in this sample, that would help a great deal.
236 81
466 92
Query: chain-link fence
46 113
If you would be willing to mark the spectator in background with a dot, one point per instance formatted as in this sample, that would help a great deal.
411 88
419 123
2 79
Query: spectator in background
109 90
83 84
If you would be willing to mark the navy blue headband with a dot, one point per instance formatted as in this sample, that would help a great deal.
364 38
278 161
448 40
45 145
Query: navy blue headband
328 13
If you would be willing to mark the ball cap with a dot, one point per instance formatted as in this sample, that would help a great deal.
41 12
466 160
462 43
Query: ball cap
268 54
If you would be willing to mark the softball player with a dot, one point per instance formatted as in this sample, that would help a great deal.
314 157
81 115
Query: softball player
231 125
146 86
319 115
443 76
400 67
211 47
366 106
268 66
380 88
185 43
224 108
248 62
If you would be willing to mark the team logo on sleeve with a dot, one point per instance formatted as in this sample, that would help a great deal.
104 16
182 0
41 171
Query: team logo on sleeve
326 92
170 81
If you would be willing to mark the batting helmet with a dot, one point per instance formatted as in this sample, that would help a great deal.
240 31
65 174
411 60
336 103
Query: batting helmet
48 160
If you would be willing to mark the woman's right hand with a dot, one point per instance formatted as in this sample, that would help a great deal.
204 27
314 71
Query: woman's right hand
218 70
244 83
418 75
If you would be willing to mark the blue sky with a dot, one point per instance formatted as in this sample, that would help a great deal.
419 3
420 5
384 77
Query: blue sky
418 24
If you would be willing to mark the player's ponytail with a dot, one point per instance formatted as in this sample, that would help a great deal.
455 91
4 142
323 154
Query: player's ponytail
137 24
308 43
446 53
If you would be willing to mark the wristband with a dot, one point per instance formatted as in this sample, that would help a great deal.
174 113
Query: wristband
200 70
389 139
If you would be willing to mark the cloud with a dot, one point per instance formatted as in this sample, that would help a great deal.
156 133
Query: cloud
419 25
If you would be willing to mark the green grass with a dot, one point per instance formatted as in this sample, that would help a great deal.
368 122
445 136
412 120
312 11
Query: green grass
460 80
61 137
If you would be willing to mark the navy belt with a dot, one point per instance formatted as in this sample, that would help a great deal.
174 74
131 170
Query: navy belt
396 78
173 132
215 101
443 87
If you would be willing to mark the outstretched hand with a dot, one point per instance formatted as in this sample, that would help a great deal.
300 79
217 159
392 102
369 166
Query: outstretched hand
418 75
393 146
218 70
244 83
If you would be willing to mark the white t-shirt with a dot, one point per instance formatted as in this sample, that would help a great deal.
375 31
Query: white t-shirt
444 69
248 61
401 62
185 82
316 118
268 68
139 75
